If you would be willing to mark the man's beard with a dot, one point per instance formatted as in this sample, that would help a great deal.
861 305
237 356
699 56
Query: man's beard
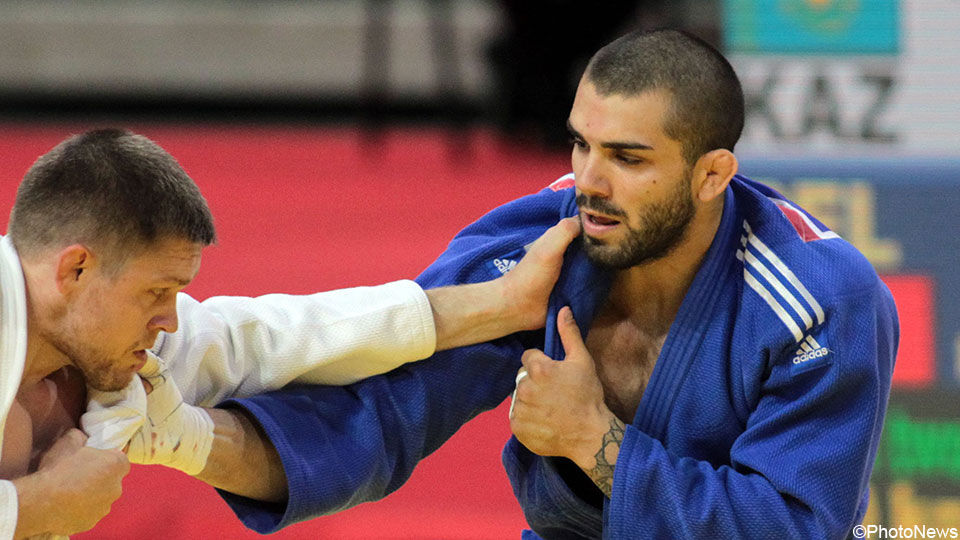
662 227
99 371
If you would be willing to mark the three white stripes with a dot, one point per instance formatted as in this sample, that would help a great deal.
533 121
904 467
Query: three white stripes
776 280
808 345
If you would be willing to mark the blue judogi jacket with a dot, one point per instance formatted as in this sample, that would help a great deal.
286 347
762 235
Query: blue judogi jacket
761 418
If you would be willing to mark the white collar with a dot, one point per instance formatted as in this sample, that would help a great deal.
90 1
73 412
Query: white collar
13 328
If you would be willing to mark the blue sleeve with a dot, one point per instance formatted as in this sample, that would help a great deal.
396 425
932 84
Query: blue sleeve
788 477
341 446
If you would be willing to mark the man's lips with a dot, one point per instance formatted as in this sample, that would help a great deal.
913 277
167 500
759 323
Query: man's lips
595 224
142 359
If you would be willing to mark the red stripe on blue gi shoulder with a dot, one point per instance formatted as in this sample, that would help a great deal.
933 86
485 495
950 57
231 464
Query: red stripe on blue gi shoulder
563 182
806 228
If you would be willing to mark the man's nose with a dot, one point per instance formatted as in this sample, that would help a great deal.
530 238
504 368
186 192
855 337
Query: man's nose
591 179
166 321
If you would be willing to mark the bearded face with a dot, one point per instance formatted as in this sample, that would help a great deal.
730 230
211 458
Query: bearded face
100 370
651 231
100 341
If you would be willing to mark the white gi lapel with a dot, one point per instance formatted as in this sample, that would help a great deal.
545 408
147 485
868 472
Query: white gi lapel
13 328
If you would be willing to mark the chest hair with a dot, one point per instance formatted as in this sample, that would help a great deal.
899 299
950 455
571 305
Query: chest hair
625 357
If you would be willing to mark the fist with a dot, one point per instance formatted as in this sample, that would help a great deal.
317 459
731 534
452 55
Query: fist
79 483
558 407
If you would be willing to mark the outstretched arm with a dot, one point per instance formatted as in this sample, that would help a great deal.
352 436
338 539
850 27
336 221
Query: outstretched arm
229 451
234 347
341 446
243 462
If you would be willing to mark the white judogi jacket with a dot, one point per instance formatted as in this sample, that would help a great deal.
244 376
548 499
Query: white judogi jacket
237 346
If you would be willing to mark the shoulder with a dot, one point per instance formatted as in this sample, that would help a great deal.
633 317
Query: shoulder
797 273
547 206
792 241
492 245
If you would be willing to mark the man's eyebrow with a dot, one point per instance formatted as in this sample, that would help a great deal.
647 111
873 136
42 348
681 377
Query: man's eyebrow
626 146
611 145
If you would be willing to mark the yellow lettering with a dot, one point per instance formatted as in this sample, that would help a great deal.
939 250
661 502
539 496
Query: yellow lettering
907 508
848 208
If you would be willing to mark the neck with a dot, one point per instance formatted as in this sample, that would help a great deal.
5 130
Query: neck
650 294
43 358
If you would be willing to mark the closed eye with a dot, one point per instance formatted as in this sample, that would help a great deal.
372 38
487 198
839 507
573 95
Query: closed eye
628 159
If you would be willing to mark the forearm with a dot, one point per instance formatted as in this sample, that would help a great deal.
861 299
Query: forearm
242 459
600 465
474 313
350 445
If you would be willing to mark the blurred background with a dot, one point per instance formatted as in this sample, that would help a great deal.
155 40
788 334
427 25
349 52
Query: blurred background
344 142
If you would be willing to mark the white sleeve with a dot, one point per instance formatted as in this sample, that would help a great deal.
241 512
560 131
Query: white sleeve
236 346
8 510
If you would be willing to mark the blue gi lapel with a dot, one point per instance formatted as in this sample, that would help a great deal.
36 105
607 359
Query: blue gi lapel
688 328
582 286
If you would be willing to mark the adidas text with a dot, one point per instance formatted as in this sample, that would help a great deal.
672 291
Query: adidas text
805 357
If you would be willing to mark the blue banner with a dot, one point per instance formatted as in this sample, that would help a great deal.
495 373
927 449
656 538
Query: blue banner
818 27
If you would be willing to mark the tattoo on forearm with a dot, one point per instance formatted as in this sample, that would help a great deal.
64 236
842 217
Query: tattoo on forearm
602 473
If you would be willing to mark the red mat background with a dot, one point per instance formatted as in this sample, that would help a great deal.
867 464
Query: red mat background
305 209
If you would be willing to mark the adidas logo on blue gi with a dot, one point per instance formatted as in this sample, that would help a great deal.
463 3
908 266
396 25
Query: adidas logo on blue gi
504 265
809 350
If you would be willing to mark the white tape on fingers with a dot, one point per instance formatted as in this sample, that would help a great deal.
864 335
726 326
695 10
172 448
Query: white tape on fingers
175 434
513 398
152 367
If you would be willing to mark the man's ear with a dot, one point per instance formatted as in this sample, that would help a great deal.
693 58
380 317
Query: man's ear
712 173
72 263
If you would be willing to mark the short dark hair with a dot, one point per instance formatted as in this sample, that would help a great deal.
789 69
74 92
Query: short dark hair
707 108
109 188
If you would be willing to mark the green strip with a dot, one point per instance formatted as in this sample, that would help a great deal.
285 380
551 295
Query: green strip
921 449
